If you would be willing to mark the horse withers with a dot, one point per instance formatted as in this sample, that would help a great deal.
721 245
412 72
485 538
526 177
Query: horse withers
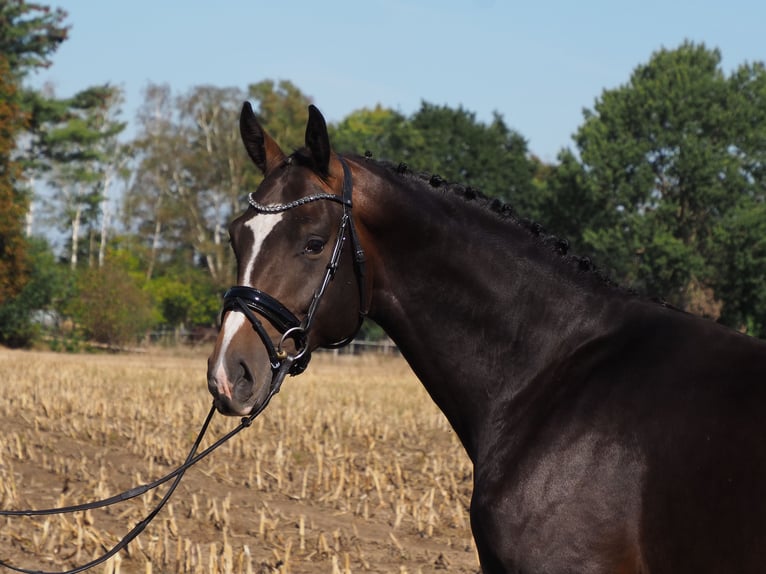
608 433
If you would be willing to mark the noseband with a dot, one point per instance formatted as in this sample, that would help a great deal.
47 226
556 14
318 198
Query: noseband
253 302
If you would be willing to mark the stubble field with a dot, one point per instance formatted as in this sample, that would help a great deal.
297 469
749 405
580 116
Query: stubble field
350 469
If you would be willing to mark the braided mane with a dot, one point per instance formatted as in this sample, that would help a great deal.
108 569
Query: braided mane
555 244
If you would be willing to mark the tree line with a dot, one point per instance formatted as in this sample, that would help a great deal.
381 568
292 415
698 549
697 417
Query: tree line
663 187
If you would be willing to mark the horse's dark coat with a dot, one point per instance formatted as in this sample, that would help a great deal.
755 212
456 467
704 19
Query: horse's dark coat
608 433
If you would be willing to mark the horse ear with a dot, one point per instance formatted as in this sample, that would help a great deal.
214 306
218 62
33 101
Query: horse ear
317 140
262 149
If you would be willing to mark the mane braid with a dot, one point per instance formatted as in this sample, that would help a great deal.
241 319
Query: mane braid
557 245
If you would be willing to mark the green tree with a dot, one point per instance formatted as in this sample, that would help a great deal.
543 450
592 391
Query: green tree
109 306
385 133
281 107
448 142
84 154
190 178
29 34
740 259
490 157
13 202
562 198
185 298
48 286
219 173
192 173
666 157
150 208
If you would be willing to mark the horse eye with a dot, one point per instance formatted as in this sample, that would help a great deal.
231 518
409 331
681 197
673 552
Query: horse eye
314 247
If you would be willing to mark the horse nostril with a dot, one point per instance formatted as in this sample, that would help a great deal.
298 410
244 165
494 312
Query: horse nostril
218 388
247 374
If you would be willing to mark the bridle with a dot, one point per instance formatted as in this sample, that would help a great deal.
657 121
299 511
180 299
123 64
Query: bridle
253 302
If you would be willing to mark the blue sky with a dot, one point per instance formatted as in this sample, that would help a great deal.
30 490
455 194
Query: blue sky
537 63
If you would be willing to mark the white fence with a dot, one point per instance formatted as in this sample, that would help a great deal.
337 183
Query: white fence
359 346
206 336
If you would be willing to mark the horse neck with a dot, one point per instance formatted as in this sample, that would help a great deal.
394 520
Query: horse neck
477 306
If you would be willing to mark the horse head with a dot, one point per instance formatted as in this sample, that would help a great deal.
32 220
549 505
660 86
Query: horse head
299 268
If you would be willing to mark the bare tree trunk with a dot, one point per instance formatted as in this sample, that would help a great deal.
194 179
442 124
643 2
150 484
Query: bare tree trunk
155 238
91 246
209 258
30 216
104 219
75 235
213 260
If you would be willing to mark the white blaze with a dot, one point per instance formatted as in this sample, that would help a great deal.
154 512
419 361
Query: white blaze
261 226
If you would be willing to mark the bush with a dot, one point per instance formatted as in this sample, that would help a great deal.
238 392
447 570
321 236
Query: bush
186 299
48 282
110 307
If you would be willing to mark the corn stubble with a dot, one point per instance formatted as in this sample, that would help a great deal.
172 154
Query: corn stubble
350 469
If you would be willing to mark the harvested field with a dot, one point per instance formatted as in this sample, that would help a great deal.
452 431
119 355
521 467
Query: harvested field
350 469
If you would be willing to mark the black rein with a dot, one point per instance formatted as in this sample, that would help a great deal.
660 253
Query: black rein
191 459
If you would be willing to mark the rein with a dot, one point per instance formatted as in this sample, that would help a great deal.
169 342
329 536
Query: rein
177 474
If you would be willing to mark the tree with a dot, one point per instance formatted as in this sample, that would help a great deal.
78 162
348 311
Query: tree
48 286
193 174
448 142
84 154
127 313
490 157
562 199
148 201
282 107
13 203
185 297
668 157
385 133
29 34
219 170
740 259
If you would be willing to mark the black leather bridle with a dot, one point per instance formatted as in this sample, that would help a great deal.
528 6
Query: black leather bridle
253 302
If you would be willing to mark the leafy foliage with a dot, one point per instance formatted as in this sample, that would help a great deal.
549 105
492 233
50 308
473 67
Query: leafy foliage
740 262
387 134
449 142
191 176
666 187
670 166
282 107
49 284
186 298
13 202
110 307
29 34
81 148
490 157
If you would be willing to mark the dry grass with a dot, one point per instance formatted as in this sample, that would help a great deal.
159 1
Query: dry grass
351 469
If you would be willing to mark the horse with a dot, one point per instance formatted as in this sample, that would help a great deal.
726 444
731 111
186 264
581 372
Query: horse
609 433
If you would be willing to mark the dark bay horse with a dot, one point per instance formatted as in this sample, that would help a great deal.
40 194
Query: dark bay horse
609 434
